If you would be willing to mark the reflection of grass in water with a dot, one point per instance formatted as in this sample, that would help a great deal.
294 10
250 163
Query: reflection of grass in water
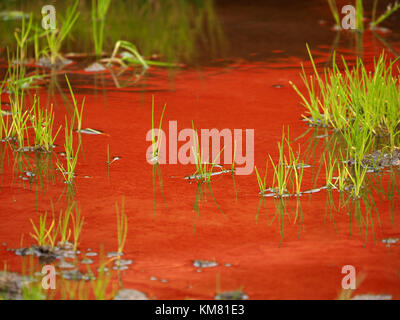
282 210
390 192
156 172
42 123
171 28
122 226
202 187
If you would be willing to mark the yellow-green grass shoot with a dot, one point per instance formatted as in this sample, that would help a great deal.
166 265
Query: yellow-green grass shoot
357 177
22 38
156 144
42 122
391 8
77 113
262 182
335 12
42 233
281 170
330 165
354 99
99 12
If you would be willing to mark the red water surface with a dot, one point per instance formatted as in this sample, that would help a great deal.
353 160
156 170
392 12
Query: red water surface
308 263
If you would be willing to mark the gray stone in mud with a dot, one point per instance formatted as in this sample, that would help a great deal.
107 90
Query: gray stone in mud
123 262
65 265
205 264
75 274
130 294
372 297
120 268
87 261
95 67
45 62
114 254
11 284
232 295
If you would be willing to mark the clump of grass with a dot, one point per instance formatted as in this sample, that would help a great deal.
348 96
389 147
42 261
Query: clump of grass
42 233
60 230
42 122
288 173
204 169
55 38
357 177
99 12
356 102
18 128
71 155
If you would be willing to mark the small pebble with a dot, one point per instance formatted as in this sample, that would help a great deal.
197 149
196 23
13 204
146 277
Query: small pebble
204 264
130 294
91 254
86 261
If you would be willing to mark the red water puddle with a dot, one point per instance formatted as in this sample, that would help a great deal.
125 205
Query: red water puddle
307 265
